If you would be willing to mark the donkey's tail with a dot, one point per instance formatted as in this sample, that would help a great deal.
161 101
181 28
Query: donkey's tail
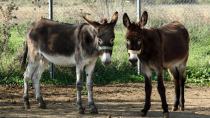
24 57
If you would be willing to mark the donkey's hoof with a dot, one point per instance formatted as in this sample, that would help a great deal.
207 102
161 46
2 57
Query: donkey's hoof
181 108
27 105
41 102
26 102
42 106
166 115
174 108
143 112
81 110
94 110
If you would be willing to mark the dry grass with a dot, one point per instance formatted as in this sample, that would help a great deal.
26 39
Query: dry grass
183 13
71 12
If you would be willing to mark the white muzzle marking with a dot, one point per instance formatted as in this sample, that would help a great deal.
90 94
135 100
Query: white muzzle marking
106 57
133 54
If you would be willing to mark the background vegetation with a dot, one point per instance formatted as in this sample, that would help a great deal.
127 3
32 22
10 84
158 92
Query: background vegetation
14 25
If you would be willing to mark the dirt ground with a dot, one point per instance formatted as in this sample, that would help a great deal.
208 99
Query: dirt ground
121 100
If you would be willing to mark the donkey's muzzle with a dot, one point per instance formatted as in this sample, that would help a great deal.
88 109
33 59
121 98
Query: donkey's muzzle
133 61
106 58
133 56
107 63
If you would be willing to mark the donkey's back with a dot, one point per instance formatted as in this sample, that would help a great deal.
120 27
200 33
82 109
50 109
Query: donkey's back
175 44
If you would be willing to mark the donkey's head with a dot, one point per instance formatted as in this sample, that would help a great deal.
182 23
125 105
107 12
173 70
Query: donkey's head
134 36
104 36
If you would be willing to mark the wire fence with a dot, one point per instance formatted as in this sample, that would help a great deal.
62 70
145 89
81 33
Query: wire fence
194 14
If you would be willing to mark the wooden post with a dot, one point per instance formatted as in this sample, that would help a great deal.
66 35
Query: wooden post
50 16
138 15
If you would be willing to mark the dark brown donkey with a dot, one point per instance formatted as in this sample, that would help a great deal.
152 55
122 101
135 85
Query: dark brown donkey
157 49
69 45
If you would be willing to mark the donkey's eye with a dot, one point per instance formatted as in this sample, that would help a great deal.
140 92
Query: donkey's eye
99 40
138 42
128 42
112 41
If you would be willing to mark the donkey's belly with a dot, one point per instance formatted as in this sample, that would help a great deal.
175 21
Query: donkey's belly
60 59
175 63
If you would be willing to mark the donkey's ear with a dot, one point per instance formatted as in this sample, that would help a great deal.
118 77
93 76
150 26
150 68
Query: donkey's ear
143 20
93 23
114 18
126 20
103 21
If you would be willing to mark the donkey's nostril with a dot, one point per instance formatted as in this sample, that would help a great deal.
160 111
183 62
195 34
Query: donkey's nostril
133 61
107 62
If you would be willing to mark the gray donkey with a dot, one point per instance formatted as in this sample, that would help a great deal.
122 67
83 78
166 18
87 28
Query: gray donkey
68 45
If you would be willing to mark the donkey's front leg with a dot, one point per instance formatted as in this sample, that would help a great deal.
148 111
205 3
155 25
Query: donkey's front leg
161 90
89 84
148 91
79 85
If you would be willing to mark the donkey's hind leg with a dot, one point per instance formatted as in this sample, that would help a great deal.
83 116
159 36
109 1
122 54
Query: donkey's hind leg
182 69
178 73
31 68
34 71
36 82
175 75
162 93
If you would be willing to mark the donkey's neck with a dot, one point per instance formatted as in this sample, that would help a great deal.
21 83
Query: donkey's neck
87 37
151 45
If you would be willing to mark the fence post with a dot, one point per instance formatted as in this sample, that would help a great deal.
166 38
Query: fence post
138 9
50 9
50 16
138 14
